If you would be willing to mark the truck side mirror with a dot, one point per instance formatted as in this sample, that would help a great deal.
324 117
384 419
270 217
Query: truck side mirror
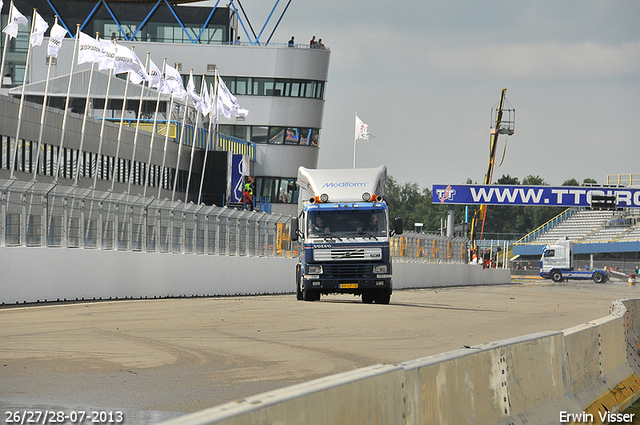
293 228
398 226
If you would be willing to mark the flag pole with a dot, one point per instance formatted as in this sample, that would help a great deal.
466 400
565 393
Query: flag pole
355 139
206 148
216 126
116 166
87 102
184 120
4 49
24 83
203 86
166 141
147 170
44 108
135 137
100 162
66 105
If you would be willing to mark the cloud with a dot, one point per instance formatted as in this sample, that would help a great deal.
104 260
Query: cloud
552 60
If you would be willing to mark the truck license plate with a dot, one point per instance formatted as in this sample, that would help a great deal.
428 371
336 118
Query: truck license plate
348 285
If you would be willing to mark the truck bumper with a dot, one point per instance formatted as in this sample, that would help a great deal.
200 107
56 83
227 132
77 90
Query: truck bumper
345 286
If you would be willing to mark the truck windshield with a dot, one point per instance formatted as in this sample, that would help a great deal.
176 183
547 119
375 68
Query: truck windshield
368 223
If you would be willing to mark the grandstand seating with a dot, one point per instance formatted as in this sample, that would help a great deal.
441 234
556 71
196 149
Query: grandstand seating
584 226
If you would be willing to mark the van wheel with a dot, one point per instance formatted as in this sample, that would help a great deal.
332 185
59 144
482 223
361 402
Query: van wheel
598 277
556 276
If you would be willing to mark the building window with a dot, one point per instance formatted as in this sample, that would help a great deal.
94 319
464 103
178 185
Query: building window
276 135
277 190
252 86
259 134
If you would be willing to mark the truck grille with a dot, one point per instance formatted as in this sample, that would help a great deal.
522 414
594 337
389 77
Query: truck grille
347 271
339 254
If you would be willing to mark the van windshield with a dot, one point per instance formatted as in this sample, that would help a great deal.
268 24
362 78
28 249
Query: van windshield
372 223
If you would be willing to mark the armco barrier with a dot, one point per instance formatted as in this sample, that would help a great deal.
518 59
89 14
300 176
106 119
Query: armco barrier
580 375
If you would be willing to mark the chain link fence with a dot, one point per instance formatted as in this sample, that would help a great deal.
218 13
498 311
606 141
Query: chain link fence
43 215
46 215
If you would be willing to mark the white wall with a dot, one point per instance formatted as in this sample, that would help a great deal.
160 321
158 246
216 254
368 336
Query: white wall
39 274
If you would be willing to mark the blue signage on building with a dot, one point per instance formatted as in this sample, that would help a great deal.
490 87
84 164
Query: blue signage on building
563 196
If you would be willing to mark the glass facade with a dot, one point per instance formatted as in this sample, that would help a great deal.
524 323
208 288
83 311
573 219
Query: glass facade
279 190
273 135
252 86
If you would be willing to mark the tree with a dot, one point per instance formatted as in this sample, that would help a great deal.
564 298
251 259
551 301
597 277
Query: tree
534 181
571 182
416 206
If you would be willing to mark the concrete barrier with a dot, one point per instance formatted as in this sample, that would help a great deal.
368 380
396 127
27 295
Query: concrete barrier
584 374
50 274
505 380
371 395
427 275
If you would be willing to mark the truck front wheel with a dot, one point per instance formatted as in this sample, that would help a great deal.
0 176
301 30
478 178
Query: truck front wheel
367 297
598 277
383 297
298 283
556 275
310 295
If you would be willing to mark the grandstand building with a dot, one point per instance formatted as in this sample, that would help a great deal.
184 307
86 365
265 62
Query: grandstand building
607 237
282 86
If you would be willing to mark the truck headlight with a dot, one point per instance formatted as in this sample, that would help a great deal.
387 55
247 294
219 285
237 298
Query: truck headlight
311 269
381 268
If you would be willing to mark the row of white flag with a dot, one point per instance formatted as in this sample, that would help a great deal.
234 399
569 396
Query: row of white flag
120 59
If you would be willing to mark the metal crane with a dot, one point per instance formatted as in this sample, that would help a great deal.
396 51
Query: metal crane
504 123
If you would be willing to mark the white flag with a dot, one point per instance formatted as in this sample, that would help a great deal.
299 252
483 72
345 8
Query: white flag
228 103
17 18
207 103
107 61
56 35
89 50
138 74
173 83
38 30
191 92
155 75
127 61
362 130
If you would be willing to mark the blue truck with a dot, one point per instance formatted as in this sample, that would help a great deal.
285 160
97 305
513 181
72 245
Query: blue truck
343 233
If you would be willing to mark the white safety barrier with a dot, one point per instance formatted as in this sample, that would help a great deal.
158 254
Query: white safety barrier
581 375
36 274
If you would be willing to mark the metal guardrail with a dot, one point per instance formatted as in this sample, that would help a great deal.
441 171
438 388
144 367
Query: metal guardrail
48 215
43 215
623 179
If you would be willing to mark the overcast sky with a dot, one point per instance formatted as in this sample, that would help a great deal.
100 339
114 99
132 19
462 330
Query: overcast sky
424 76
